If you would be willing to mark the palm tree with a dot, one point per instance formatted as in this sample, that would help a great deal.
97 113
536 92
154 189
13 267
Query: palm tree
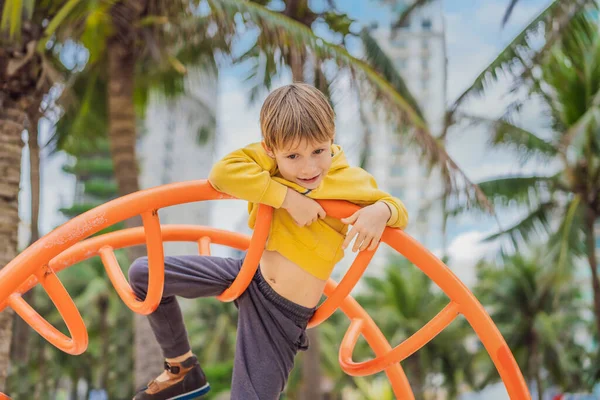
111 32
24 78
520 57
569 90
21 331
539 311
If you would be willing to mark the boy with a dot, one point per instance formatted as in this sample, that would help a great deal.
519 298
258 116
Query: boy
295 163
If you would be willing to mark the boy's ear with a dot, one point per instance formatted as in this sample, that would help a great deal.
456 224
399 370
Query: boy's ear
268 150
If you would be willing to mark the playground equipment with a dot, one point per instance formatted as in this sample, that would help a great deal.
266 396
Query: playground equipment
66 246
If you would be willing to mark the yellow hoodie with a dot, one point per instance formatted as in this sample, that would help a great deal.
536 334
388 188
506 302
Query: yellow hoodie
250 174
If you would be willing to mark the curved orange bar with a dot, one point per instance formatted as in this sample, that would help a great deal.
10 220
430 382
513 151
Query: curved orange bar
250 264
130 237
156 268
21 273
67 309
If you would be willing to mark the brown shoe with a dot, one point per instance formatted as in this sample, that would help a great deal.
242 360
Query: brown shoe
186 381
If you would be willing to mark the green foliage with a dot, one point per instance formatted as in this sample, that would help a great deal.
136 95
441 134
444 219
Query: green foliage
86 168
77 209
539 310
339 23
382 64
204 134
220 377
101 188
519 56
83 123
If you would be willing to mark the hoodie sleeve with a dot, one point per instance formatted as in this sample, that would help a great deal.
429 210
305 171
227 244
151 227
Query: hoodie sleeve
246 174
359 187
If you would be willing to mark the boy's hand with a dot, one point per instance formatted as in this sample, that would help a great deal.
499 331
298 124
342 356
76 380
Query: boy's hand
303 210
368 223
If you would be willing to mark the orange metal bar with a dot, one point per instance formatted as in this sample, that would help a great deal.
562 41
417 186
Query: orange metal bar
63 247
400 352
250 264
67 309
376 340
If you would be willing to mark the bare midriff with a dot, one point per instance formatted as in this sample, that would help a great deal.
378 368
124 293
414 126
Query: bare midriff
290 281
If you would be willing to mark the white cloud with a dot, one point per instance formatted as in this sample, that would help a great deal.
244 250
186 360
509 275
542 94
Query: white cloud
466 250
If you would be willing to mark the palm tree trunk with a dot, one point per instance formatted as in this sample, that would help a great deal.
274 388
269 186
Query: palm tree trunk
105 335
41 386
148 360
417 384
12 122
534 365
21 331
593 263
34 169
311 367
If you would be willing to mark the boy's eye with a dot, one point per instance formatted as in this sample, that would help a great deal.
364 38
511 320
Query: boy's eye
292 156
319 151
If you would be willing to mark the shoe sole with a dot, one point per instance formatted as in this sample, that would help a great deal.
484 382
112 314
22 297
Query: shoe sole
192 395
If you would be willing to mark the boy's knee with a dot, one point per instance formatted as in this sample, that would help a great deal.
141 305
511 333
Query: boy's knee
138 274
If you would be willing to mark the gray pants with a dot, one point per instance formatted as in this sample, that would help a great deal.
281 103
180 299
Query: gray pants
271 329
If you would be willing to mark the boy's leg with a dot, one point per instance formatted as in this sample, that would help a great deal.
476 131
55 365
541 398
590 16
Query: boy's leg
271 330
185 276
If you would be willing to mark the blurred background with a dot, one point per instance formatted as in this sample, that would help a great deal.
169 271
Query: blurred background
482 116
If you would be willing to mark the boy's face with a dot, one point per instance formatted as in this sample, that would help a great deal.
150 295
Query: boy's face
305 163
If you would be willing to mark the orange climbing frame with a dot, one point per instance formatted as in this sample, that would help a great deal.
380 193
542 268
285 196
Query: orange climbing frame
65 246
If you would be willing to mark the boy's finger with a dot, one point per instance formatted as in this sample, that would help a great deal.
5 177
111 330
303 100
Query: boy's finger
358 242
350 219
322 213
349 237
366 243
375 243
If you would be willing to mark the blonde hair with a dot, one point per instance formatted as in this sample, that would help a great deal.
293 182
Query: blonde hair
296 112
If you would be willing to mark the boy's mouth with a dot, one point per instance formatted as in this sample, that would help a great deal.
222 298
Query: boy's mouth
310 180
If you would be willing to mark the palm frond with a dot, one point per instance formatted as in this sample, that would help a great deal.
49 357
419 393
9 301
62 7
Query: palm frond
12 18
536 222
408 11
523 142
509 11
287 35
84 117
379 61
510 190
518 58
569 238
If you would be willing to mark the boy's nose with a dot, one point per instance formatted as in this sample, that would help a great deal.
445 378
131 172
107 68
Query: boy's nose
309 167
308 170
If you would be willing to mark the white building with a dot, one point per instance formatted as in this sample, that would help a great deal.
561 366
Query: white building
418 51
177 144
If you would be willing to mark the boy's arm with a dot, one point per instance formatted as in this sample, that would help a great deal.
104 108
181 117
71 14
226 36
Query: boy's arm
246 174
358 186
399 215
